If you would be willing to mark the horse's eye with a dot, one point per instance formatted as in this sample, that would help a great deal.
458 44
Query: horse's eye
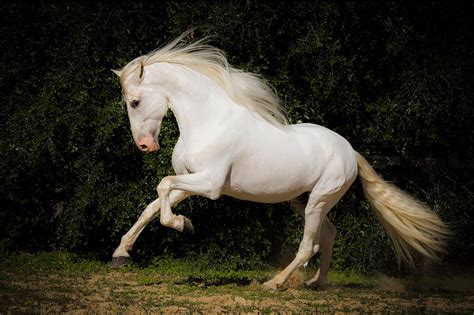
135 103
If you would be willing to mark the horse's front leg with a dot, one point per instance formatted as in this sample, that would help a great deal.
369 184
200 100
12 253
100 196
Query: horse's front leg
121 256
195 184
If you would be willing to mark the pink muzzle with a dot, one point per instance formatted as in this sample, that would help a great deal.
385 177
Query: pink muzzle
148 144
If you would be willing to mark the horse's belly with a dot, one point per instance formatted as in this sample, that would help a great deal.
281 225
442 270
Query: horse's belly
264 197
268 182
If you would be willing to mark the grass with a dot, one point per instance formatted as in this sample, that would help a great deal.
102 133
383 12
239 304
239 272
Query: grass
196 271
59 282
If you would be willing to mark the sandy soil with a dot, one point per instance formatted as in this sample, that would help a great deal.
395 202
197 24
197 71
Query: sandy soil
122 292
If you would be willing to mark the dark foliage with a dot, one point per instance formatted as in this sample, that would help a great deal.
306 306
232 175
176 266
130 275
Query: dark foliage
394 79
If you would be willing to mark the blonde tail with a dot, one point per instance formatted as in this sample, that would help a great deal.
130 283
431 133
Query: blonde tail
412 226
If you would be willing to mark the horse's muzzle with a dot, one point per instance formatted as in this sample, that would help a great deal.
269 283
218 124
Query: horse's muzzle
148 144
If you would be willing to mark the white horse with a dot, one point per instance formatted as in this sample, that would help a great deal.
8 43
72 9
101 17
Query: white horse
235 140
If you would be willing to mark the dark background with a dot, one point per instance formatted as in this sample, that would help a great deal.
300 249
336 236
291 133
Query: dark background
394 79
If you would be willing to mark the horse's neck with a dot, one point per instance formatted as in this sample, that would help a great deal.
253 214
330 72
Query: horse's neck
196 100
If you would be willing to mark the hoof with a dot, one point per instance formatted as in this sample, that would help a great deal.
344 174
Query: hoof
308 286
188 226
316 286
270 285
118 262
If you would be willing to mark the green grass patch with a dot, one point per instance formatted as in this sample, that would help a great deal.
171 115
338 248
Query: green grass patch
196 271
352 279
59 282
45 263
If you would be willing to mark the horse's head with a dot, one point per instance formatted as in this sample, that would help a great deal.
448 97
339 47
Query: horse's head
146 105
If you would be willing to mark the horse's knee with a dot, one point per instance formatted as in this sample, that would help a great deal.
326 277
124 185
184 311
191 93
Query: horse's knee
214 190
214 194
163 187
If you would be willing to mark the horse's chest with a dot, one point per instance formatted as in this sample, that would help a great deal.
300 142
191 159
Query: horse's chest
188 159
178 159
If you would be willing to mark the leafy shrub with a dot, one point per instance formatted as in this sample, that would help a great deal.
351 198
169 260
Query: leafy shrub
72 178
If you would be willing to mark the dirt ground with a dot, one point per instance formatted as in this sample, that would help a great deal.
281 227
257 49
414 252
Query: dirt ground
128 292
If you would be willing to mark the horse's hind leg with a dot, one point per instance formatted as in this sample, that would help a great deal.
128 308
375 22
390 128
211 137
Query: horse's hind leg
328 235
314 213
326 241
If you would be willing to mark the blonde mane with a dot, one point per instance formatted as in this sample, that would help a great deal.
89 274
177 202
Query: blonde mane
246 89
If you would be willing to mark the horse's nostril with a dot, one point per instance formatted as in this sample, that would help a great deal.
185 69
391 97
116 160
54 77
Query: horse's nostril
143 147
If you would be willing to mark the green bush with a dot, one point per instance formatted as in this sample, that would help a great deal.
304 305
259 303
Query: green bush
73 180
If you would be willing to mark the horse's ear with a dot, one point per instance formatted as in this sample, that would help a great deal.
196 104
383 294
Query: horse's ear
142 71
117 72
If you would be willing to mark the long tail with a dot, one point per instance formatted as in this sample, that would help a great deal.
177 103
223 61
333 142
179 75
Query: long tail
412 226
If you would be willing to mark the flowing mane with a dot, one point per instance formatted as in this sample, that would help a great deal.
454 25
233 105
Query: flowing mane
246 89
